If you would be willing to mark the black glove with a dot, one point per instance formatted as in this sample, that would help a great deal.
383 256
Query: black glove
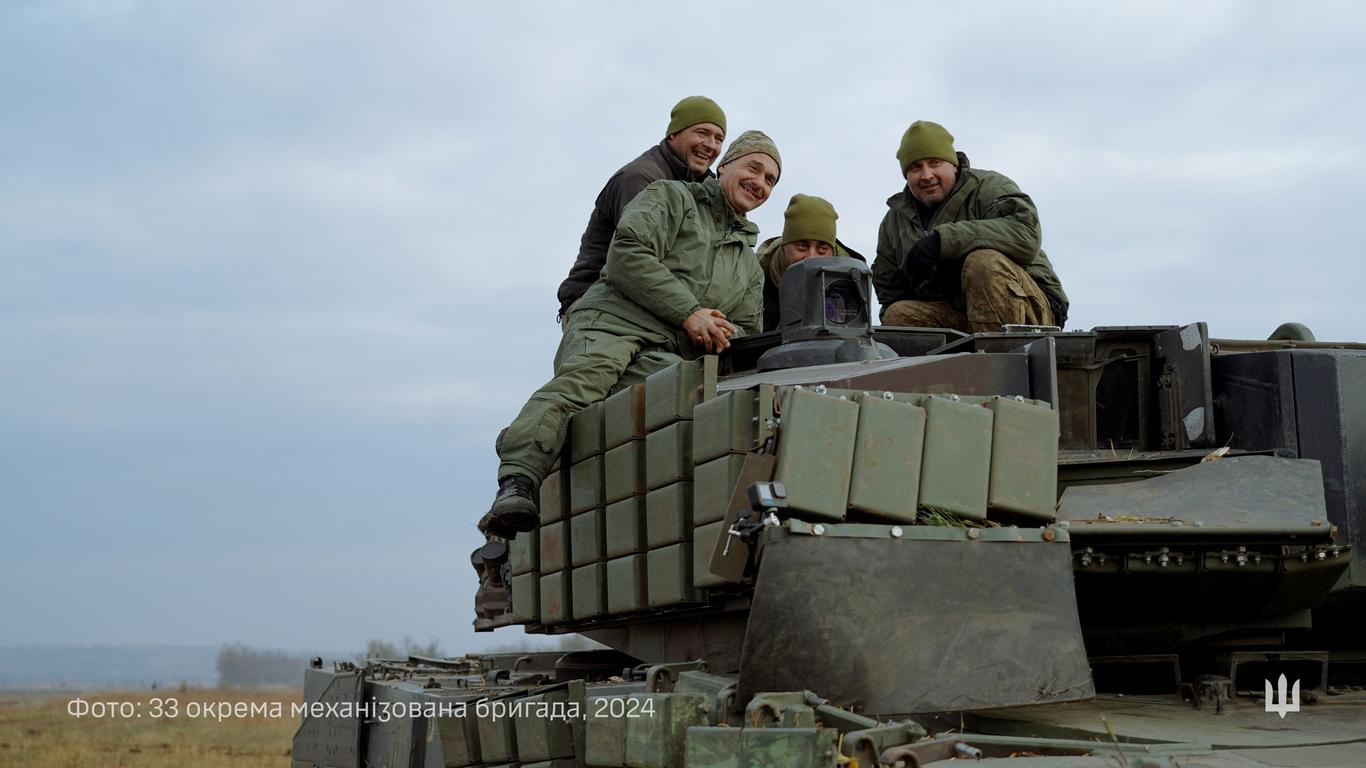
924 254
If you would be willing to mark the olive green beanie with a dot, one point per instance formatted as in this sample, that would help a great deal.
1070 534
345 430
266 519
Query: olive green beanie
925 139
807 218
694 110
750 142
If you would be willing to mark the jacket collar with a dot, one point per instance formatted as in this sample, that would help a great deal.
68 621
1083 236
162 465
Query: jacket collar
709 193
678 168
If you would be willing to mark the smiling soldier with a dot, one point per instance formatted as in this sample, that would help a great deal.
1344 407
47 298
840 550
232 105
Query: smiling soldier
960 247
808 232
697 129
680 280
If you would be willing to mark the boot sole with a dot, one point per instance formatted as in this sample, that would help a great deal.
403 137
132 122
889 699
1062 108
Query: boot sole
510 518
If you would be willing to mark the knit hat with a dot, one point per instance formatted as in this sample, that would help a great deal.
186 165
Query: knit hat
750 142
694 110
925 139
809 218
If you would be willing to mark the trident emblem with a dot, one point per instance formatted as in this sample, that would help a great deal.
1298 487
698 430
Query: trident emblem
1285 705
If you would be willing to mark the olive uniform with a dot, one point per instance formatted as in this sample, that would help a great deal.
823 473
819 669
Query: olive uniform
678 248
989 247
657 163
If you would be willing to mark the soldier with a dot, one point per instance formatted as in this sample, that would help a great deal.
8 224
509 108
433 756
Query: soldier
808 230
697 129
960 246
680 280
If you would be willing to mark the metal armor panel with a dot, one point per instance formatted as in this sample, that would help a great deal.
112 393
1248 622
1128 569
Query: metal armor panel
623 417
1024 459
965 619
624 474
589 591
585 485
816 452
712 485
668 515
585 537
886 472
669 576
625 527
725 424
955 470
626 584
585 433
668 455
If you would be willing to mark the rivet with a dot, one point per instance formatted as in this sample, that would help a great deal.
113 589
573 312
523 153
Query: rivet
818 530
896 532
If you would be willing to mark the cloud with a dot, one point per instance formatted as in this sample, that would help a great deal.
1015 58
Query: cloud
277 273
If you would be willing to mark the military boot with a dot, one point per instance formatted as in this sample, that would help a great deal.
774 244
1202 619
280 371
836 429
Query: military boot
514 509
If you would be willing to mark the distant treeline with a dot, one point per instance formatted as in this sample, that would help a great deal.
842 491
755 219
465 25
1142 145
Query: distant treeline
240 666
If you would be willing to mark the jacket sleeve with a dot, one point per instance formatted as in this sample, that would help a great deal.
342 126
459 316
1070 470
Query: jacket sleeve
1006 221
644 236
889 279
622 189
749 318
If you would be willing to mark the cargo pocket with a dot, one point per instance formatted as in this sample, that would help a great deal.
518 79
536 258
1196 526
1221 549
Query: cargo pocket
1035 304
549 432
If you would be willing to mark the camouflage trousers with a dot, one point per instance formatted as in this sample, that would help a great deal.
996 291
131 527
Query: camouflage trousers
599 354
996 290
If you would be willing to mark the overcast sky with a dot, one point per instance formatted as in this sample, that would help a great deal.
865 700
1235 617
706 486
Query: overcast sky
275 274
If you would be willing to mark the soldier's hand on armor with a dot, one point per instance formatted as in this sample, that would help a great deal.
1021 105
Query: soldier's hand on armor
709 329
924 253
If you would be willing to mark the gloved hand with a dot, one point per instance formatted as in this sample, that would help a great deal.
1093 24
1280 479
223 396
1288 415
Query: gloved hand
924 254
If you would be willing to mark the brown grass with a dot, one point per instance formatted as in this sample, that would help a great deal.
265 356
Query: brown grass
37 732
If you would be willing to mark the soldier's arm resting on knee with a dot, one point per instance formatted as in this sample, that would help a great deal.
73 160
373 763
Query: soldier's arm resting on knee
1008 223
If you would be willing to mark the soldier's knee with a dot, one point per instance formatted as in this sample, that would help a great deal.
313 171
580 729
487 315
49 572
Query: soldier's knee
905 313
985 264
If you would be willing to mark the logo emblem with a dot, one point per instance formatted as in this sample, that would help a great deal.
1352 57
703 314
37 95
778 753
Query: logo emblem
1291 704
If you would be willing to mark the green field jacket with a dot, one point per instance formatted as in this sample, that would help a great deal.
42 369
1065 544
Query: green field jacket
679 247
654 164
984 210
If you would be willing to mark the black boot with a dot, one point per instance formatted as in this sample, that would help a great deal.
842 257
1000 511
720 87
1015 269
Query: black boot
514 509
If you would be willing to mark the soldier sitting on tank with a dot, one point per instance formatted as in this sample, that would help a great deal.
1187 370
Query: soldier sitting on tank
681 280
808 230
960 247
697 129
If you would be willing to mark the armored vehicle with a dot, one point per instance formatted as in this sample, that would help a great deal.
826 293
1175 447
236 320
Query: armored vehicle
847 545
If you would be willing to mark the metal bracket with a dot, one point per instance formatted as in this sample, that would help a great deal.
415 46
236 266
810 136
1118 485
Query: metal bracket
661 678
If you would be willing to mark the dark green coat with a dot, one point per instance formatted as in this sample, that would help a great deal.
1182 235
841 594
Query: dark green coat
654 164
678 248
984 210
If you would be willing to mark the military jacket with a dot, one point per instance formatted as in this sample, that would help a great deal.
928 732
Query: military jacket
654 164
679 247
984 210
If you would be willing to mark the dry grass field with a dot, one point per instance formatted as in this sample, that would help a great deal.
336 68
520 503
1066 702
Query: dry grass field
37 732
